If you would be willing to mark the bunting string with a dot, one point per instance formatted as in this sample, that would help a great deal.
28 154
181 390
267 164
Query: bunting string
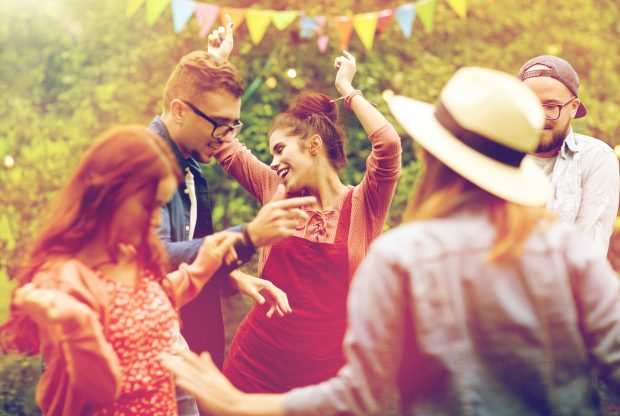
367 26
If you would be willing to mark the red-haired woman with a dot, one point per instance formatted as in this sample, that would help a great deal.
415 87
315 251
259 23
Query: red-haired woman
94 298
314 267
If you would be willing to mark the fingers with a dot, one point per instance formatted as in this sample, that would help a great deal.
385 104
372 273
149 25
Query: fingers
227 244
229 25
348 55
297 202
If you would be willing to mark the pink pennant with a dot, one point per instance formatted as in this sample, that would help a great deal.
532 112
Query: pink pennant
206 15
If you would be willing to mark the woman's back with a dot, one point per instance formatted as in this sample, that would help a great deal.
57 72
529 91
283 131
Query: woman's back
501 338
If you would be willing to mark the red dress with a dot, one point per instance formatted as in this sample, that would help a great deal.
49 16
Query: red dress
141 322
305 347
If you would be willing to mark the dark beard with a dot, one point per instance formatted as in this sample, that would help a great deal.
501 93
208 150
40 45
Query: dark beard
556 141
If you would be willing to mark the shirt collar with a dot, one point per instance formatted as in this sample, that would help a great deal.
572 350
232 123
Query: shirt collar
570 143
158 126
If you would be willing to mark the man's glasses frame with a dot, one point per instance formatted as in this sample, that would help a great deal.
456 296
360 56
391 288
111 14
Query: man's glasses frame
218 132
552 107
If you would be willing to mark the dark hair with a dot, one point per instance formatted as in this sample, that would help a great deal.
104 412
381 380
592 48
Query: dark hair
119 163
313 113
199 72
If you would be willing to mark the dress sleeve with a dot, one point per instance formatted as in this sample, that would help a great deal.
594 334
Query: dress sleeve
255 176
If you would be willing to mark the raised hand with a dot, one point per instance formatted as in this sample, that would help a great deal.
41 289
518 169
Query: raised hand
278 218
220 42
346 67
261 291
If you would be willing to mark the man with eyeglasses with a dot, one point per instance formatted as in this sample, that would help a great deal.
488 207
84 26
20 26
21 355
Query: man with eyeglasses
583 170
201 109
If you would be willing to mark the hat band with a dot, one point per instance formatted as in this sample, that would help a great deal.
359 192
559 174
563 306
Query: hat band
481 144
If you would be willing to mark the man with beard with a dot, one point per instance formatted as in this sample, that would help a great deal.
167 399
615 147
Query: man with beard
583 170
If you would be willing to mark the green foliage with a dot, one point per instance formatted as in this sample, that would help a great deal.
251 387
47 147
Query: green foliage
19 376
72 68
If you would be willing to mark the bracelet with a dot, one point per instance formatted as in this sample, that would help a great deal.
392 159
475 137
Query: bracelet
246 236
347 99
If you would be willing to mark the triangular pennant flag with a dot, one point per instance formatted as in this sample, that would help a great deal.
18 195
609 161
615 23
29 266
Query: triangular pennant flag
322 42
425 10
344 25
258 21
133 6
405 15
365 25
383 18
307 27
236 15
182 11
460 7
154 9
282 19
206 15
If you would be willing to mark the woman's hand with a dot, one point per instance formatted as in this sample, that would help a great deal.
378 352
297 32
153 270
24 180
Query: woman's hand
346 67
214 249
200 377
220 42
48 306
261 291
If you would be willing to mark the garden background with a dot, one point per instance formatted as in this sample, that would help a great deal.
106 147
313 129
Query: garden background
70 69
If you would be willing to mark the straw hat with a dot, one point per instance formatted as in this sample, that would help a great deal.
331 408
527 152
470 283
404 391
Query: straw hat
482 128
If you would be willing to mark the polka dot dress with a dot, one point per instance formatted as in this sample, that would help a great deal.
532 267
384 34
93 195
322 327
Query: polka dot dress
141 322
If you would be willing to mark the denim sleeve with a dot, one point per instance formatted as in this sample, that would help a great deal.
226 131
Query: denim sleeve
178 251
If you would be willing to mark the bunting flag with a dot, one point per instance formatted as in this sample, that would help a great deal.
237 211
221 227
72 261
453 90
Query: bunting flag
258 21
307 27
405 15
383 19
133 6
365 25
182 11
206 14
344 25
459 7
154 9
236 15
425 10
282 20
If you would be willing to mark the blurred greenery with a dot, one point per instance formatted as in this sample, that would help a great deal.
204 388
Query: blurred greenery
72 68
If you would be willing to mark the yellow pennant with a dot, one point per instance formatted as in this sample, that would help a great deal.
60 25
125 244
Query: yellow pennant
258 21
281 20
459 7
425 11
133 6
154 9
236 16
365 25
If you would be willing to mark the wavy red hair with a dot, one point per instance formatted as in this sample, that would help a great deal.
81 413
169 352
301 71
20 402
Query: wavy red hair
120 162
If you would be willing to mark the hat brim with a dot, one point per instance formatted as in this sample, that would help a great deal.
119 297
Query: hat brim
525 185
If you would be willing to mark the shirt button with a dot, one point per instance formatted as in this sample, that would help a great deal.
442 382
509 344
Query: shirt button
186 191
187 228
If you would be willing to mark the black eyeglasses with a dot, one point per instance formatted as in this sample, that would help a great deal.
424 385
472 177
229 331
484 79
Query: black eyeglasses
219 129
553 111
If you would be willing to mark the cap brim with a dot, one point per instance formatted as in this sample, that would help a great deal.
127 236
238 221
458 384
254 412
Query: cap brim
581 111
525 185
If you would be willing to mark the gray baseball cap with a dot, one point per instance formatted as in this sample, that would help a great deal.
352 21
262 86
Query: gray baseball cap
558 69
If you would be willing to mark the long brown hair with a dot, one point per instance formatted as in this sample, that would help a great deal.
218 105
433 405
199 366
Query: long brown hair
441 192
119 163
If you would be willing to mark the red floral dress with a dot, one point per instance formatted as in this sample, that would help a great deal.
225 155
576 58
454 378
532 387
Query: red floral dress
140 328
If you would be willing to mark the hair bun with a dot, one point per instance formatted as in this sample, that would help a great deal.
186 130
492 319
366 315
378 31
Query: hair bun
308 104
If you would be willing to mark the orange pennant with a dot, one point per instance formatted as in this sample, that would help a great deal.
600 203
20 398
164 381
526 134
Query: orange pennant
236 15
344 25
